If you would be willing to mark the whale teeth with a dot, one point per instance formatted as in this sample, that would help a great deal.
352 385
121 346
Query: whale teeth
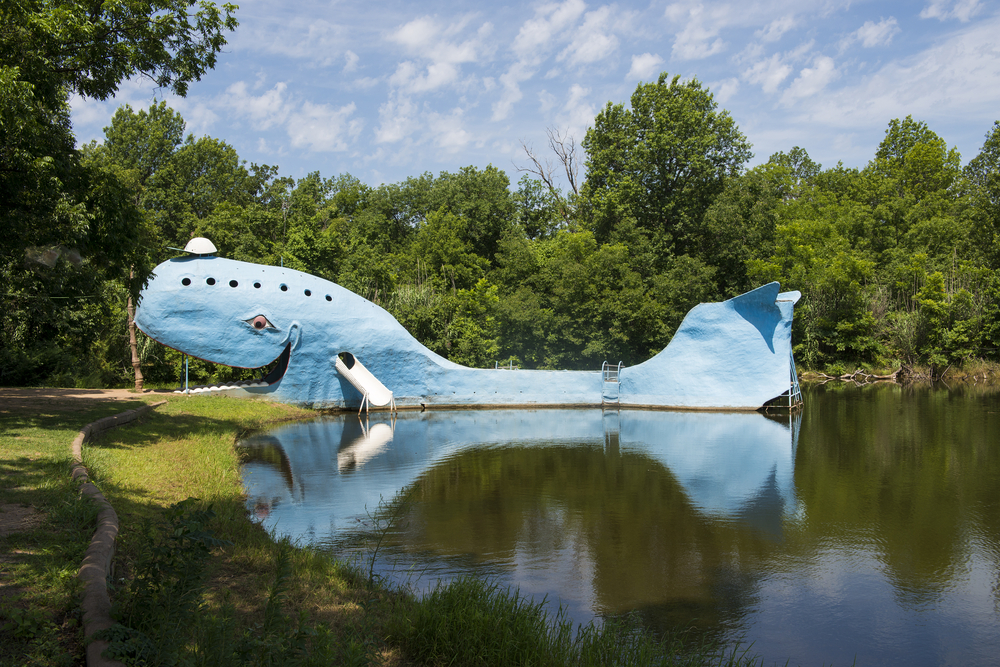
201 389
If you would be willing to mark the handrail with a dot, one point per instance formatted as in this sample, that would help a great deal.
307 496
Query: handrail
611 373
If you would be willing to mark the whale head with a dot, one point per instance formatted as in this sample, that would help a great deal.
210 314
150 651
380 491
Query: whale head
247 315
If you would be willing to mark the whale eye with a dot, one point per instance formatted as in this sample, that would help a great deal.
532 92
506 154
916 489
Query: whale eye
260 323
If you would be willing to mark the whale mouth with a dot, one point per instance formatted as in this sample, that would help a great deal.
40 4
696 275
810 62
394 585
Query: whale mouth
271 377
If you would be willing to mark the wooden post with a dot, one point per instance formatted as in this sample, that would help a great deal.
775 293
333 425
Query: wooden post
130 309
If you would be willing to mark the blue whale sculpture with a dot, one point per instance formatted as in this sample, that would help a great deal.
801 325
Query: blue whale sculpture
336 349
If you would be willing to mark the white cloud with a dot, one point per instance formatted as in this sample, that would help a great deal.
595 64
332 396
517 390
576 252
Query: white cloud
409 77
264 111
963 10
88 111
957 78
593 40
769 73
546 101
511 80
316 127
365 82
811 80
723 91
301 37
448 133
577 114
321 128
398 120
644 67
199 117
872 34
774 30
351 63
699 37
537 37
427 39
549 26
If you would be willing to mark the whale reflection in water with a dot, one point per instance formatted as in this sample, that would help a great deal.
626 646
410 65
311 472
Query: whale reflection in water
314 479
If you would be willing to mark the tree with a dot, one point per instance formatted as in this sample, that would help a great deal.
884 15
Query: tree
909 187
564 147
983 172
661 162
482 198
90 46
60 204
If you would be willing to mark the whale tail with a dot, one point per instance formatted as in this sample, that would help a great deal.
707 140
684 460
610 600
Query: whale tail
734 354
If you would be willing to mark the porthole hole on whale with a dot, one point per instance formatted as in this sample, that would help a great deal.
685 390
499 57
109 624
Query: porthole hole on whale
307 292
210 281
283 288
233 283
329 298
186 282
256 285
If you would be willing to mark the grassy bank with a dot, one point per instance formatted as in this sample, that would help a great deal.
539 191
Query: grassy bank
972 371
46 526
197 582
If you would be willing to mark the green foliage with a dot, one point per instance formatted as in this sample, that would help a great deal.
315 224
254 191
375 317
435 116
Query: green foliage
473 333
160 601
37 635
472 622
950 326
661 162
983 174
162 620
441 245
278 640
667 218
91 49
71 220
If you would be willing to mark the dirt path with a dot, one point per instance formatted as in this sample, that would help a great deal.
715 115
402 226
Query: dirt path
56 400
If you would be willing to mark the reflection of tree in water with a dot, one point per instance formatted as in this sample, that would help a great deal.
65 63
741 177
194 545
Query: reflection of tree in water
647 548
265 450
909 478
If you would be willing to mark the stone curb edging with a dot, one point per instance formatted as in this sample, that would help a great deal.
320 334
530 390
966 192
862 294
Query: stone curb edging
96 568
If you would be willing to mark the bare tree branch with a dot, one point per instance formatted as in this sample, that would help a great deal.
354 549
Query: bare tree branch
564 146
544 170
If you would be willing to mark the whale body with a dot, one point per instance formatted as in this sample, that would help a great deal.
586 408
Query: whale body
731 355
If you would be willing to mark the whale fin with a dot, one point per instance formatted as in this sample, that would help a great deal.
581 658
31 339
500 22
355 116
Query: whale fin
763 295
792 296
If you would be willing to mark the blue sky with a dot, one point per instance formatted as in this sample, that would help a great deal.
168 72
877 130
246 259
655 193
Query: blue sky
387 90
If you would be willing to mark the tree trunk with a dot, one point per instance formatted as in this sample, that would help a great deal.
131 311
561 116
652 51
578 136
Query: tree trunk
130 309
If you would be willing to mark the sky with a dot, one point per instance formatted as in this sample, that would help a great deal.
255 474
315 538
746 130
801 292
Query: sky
389 90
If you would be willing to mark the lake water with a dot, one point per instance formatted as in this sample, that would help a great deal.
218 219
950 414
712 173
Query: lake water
866 528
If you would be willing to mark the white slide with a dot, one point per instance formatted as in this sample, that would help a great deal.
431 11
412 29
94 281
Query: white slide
374 392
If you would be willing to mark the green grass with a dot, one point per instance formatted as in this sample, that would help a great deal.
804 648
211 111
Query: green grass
473 622
230 593
39 611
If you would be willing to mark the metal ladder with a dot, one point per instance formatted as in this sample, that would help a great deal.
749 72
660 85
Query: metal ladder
794 390
611 382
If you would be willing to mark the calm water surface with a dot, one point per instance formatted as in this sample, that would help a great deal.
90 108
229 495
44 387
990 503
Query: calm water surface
867 528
